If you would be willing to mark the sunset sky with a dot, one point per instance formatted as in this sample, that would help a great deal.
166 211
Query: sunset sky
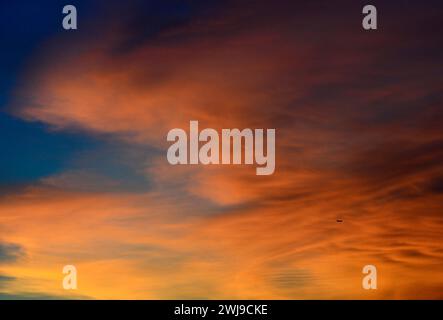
84 178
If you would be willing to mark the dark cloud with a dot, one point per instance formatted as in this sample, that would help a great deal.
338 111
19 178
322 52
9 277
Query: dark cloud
436 185
5 280
390 162
10 252
38 296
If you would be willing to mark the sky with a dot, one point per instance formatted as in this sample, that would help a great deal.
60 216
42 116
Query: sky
84 178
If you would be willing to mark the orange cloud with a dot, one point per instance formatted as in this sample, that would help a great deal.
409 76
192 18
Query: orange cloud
352 144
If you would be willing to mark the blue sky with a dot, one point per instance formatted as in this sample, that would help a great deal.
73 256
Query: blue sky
31 150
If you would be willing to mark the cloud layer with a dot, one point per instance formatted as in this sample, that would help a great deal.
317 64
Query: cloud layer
358 121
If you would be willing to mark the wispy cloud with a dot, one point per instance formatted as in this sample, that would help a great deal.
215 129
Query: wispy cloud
358 119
